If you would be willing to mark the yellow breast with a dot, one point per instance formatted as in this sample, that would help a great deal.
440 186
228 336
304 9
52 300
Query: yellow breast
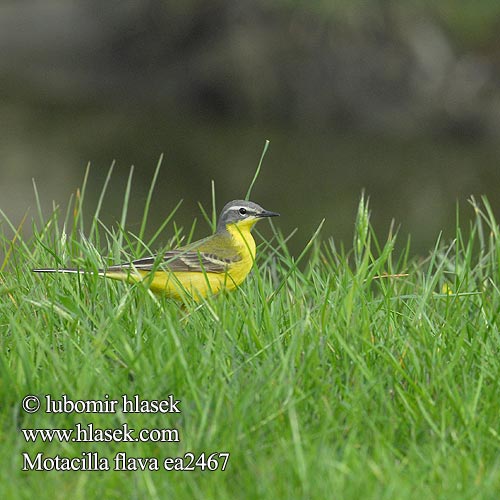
244 244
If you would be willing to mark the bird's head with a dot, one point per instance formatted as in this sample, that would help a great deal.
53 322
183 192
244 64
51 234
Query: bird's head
243 213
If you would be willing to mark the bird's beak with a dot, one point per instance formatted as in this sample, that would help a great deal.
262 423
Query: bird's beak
267 213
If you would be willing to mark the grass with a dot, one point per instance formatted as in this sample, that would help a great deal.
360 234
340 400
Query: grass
334 374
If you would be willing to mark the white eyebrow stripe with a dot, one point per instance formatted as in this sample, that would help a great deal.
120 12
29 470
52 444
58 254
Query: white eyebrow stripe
238 207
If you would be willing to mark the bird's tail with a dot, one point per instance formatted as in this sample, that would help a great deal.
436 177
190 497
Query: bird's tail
69 270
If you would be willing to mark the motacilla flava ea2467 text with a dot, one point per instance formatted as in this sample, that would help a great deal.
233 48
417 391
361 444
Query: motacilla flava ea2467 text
221 261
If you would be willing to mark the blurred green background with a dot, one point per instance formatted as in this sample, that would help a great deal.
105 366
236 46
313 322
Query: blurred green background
400 98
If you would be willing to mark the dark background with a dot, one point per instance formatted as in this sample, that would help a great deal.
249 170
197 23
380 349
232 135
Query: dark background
399 98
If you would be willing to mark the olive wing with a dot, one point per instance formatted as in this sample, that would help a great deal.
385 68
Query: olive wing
180 261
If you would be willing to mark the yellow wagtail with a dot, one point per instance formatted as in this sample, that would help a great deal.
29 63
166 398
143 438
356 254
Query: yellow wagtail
221 261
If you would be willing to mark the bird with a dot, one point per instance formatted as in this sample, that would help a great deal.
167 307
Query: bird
221 261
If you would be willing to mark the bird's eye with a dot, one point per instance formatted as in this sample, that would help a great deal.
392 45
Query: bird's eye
243 211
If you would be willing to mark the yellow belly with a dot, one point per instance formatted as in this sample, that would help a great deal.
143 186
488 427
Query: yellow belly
195 284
